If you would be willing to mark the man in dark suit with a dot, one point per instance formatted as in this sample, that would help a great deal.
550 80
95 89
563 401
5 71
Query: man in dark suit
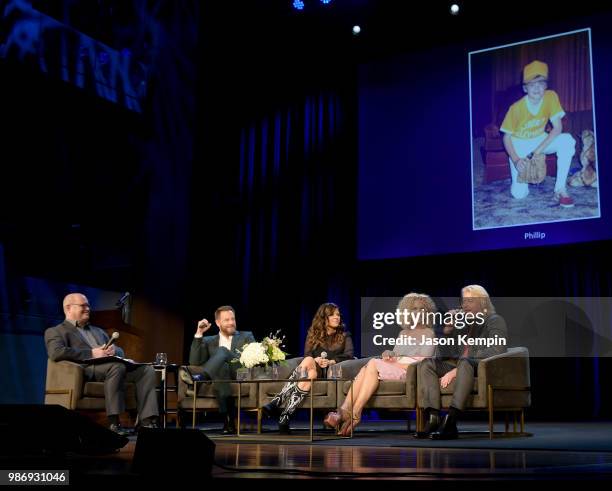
76 340
211 357
441 370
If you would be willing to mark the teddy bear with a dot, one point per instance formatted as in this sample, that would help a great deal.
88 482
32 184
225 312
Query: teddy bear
587 176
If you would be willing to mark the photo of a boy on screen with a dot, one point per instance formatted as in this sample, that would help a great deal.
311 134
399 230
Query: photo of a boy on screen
525 136
533 133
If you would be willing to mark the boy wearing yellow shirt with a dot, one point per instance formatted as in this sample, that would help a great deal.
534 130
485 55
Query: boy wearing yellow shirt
524 134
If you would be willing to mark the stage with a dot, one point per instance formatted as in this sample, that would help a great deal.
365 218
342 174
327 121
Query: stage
307 181
379 450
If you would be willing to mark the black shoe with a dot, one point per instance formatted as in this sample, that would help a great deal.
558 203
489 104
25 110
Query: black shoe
284 429
120 430
150 423
432 425
271 410
294 399
448 430
229 427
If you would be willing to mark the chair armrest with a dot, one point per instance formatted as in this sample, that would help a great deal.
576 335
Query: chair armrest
64 384
350 368
508 370
411 380
182 385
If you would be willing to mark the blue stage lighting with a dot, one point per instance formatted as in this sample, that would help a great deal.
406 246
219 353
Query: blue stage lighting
325 2
298 4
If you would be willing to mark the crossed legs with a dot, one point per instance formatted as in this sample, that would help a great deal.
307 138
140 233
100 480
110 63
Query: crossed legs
364 386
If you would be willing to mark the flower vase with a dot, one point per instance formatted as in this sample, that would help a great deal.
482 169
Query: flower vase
256 372
274 371
243 373
261 372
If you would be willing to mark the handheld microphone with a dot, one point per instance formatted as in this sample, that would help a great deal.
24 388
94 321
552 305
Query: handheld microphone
324 357
112 340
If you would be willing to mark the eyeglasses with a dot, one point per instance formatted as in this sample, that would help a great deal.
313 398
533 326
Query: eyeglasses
539 83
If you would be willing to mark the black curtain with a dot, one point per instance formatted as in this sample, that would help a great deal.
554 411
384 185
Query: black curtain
276 223
274 190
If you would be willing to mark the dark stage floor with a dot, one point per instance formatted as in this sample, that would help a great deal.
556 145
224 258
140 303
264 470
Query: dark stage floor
555 451
585 436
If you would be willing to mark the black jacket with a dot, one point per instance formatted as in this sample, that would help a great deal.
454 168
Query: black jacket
205 347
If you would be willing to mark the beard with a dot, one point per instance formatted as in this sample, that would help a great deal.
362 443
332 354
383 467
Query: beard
228 331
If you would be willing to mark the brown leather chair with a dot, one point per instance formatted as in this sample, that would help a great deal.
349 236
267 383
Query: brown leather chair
66 386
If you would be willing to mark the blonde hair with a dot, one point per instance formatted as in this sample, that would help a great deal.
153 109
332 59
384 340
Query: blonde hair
481 293
409 301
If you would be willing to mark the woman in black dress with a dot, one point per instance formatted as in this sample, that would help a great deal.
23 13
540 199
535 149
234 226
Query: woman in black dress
327 343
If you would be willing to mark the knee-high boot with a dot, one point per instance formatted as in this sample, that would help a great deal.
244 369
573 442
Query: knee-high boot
294 399
272 409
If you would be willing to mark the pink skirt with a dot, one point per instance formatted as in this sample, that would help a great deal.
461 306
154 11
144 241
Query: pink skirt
390 370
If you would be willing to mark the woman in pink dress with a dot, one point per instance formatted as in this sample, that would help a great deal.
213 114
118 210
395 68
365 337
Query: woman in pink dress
392 365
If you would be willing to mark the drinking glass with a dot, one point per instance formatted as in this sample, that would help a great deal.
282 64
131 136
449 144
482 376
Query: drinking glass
161 359
335 371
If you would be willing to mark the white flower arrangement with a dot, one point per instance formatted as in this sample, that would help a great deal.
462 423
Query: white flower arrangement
267 351
253 354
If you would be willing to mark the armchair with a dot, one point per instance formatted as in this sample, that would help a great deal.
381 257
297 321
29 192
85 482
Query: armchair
66 386
502 383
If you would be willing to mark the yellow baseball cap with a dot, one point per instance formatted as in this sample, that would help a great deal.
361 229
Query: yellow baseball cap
535 69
